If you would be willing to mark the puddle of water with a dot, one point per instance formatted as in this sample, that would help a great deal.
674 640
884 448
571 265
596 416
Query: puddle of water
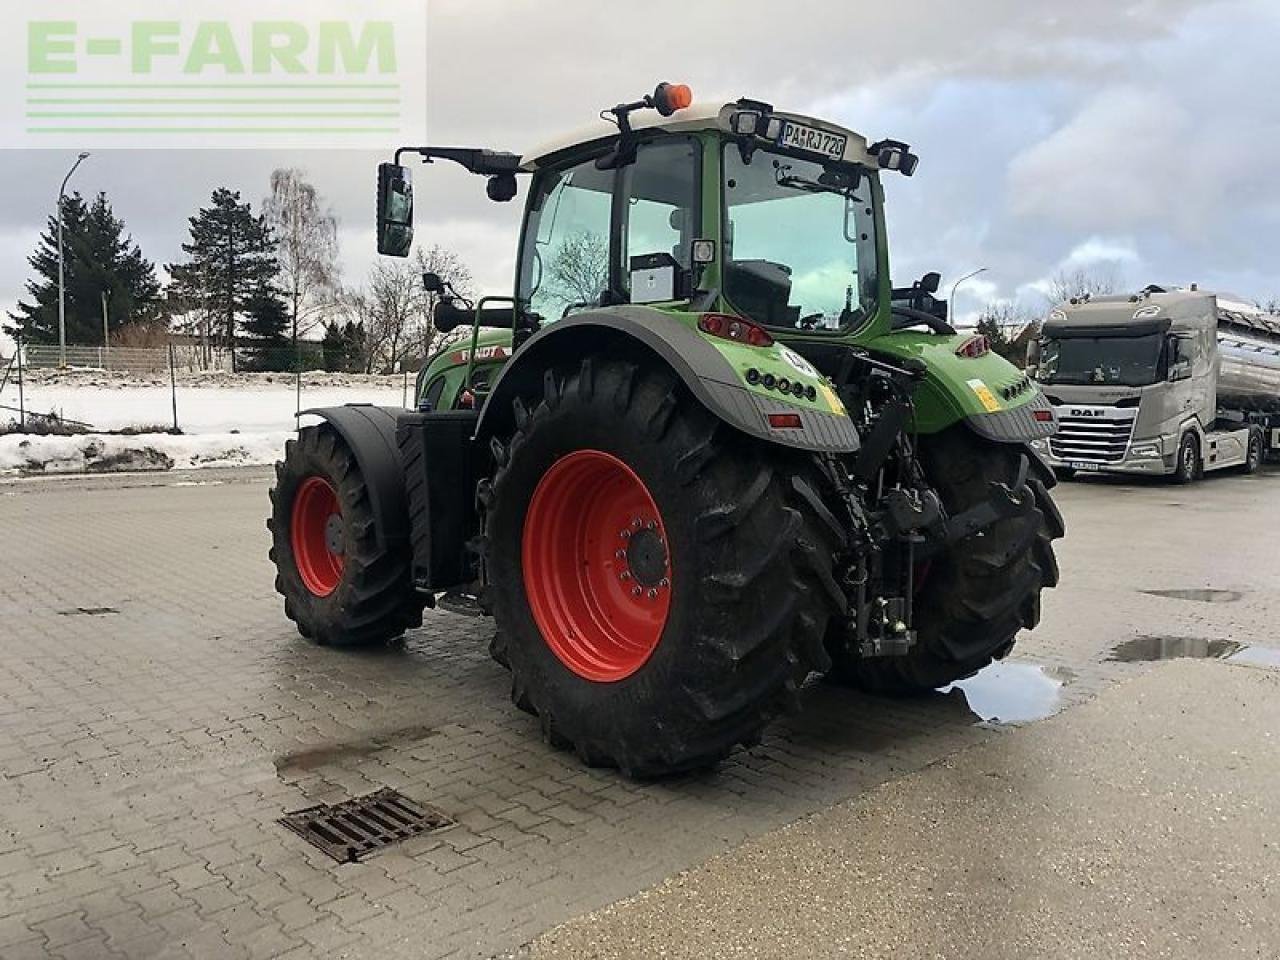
1013 693
1144 649
312 758
1200 596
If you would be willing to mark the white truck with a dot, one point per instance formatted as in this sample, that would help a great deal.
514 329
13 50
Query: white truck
1166 382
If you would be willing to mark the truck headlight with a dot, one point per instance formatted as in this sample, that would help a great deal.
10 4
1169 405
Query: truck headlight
1040 444
1145 451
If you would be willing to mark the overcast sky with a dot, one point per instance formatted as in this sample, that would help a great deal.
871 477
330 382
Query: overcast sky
1136 136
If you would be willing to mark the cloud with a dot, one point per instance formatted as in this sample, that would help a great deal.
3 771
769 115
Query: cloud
1139 133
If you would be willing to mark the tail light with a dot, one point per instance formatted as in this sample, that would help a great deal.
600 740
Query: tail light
976 346
728 327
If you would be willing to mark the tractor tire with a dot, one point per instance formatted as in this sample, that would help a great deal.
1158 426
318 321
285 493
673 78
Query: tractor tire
339 586
661 583
971 601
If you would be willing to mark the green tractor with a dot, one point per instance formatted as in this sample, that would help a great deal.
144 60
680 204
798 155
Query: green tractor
703 452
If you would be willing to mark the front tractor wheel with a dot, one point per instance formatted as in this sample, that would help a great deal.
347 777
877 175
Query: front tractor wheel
973 599
660 587
339 586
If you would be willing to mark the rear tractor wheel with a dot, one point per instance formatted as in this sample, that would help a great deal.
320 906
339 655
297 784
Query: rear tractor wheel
339 586
973 599
659 586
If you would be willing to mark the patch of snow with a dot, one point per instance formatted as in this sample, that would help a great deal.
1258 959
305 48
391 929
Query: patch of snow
208 402
96 453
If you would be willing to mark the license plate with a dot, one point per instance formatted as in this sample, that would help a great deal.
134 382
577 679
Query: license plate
1083 465
801 136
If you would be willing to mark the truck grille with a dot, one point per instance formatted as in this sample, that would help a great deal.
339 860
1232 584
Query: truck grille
1099 439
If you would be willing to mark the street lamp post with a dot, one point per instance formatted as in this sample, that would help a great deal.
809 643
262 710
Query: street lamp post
951 300
62 287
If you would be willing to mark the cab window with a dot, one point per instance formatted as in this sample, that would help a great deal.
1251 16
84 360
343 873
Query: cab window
585 225
565 256
660 194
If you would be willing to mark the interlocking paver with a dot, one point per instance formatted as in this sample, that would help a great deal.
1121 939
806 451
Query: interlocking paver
149 752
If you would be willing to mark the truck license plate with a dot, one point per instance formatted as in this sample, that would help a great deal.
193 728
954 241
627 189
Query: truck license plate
804 137
1083 465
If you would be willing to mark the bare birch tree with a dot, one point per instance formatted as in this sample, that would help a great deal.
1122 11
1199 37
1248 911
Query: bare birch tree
307 233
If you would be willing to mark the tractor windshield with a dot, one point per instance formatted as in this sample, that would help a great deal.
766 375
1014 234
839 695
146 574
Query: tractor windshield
799 242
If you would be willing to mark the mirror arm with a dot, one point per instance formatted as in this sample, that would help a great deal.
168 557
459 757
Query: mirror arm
486 163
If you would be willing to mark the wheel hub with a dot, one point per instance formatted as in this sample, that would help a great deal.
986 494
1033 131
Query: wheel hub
596 568
316 534
646 557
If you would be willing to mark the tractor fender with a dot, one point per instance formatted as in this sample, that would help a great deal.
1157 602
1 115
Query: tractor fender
370 434
645 333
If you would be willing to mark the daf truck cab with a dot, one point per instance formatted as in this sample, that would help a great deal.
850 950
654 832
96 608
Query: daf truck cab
1166 382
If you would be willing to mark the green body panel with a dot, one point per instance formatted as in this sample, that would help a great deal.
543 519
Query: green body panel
493 349
955 387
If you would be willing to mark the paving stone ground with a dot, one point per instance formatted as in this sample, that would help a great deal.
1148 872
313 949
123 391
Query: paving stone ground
159 715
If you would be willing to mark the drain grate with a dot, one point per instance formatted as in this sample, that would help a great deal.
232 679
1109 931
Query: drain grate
355 828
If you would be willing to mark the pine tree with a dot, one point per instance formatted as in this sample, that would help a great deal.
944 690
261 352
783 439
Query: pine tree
98 257
344 346
231 256
266 345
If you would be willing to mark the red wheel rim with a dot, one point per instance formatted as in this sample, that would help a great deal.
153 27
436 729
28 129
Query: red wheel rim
596 566
315 531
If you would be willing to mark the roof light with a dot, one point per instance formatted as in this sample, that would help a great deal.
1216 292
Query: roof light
728 327
670 97
976 346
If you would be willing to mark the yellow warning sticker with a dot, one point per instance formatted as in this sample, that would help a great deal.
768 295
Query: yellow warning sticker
984 394
832 400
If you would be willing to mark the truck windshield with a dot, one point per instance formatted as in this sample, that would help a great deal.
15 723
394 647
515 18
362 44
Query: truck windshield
797 252
1131 361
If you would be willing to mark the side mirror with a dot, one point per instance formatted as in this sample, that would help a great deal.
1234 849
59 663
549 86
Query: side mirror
395 210
432 283
930 282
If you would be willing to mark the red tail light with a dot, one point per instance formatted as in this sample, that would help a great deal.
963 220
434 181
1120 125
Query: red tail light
976 346
785 421
728 327
1043 416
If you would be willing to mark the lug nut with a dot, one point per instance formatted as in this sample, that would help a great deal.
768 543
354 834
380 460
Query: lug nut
636 591
653 594
653 525
625 575
664 582
620 554
625 534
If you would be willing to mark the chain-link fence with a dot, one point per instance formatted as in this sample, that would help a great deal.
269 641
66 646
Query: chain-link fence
178 388
190 357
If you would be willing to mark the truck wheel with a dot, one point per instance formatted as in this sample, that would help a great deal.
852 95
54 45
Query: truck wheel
972 600
339 586
1188 468
1256 453
660 583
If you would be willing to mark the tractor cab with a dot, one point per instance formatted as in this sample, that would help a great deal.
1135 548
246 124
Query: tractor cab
730 208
